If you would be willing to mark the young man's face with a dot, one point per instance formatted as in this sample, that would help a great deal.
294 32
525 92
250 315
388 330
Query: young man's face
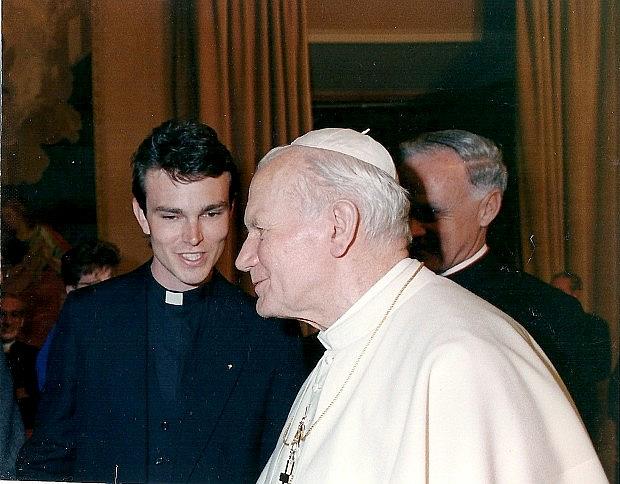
97 275
188 224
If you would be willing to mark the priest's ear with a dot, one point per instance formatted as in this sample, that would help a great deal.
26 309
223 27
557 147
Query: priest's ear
140 217
489 207
344 219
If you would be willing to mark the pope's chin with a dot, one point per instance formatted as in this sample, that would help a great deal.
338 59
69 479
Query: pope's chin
262 309
267 310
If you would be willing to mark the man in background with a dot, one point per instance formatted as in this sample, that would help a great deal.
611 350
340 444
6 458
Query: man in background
597 353
85 264
456 180
31 268
88 263
166 374
20 356
11 426
421 381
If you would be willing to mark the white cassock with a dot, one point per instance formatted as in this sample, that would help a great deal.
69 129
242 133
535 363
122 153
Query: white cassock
450 390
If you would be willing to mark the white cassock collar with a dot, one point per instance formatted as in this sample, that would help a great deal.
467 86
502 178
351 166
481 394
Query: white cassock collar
467 262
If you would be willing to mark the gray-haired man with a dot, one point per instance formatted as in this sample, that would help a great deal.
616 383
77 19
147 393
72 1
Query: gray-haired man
456 180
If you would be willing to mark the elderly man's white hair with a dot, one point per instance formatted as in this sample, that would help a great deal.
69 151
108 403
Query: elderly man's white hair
481 156
330 176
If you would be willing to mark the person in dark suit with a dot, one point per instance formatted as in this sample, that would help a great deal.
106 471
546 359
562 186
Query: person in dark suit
597 352
20 357
11 426
166 374
597 329
456 180
89 262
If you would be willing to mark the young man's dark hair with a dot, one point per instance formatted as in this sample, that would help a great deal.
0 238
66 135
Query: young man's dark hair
87 257
188 151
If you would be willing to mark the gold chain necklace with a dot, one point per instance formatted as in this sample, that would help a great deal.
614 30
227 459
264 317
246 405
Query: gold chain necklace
300 435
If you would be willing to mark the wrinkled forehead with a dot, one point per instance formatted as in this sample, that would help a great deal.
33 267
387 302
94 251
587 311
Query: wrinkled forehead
562 282
11 303
279 168
97 272
286 157
273 184
438 166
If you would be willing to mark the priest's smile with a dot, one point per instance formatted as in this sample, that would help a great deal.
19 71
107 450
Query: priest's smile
193 258
187 224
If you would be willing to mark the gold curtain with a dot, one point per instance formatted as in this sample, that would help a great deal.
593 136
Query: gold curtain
250 64
568 89
241 67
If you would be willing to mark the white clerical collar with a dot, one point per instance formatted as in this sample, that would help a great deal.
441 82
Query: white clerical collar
467 262
340 334
174 298
7 346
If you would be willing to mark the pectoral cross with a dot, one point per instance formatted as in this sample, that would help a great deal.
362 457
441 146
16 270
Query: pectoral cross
285 477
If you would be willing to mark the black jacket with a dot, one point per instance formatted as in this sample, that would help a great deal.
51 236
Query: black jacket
21 359
92 419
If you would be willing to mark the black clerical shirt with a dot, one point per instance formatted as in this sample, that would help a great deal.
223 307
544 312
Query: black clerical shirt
174 319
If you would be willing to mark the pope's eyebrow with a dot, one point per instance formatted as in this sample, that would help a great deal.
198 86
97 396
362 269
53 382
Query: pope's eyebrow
251 222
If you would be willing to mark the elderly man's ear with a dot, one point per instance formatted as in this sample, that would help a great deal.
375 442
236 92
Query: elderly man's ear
489 208
345 219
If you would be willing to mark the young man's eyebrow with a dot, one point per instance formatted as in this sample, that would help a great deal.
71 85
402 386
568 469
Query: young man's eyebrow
168 209
214 206
178 211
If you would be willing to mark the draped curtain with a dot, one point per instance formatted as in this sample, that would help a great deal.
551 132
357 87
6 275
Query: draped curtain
568 89
242 68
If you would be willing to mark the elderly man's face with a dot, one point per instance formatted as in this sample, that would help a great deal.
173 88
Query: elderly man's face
284 250
12 315
444 217
563 283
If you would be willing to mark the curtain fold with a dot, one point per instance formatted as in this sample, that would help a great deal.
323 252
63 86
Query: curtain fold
252 81
568 65
184 76
567 81
247 68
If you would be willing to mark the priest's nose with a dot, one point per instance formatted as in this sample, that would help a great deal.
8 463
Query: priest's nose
192 234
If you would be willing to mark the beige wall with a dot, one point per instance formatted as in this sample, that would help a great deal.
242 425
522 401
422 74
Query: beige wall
394 21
